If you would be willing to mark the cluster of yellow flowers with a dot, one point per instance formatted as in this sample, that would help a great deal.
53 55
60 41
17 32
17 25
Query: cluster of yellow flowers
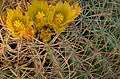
41 17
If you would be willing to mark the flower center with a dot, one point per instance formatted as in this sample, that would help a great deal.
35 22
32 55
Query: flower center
40 16
18 25
58 18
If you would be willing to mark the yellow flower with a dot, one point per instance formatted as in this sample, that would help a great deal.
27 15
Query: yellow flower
17 23
28 33
76 10
62 16
38 12
69 1
45 35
